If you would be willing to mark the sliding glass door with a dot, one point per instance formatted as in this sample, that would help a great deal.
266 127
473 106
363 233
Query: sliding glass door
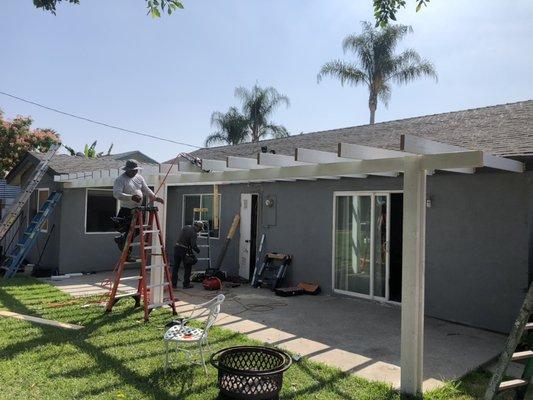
361 257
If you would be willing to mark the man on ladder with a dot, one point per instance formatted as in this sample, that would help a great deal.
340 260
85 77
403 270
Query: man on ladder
129 189
182 253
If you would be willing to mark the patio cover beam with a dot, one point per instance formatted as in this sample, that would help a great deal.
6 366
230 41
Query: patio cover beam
360 152
419 145
469 159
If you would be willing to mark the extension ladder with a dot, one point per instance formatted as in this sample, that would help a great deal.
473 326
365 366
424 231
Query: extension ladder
204 235
146 249
20 251
509 354
15 210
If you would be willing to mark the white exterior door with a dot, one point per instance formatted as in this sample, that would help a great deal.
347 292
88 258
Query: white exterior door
245 236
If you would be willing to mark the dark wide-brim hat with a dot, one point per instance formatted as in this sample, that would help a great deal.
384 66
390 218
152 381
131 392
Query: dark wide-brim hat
131 165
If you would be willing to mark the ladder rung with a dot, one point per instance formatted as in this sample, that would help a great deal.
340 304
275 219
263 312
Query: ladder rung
155 266
152 231
204 259
144 226
203 245
152 247
521 355
512 384
529 326
155 305
158 285
119 296
131 278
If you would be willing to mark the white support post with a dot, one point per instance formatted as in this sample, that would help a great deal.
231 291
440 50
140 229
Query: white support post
157 275
413 269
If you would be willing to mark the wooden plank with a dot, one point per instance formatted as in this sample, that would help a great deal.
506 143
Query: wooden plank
41 321
277 160
420 145
325 157
359 152
243 163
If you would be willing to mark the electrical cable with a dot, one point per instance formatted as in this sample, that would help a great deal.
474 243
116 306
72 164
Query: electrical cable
100 123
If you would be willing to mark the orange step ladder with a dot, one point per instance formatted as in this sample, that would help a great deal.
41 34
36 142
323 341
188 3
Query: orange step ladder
144 286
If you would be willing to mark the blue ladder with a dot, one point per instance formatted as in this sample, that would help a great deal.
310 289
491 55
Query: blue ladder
12 262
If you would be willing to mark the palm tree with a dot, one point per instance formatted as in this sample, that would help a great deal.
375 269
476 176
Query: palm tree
377 65
232 128
258 104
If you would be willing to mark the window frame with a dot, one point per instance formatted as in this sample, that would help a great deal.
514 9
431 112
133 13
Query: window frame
45 223
200 195
117 203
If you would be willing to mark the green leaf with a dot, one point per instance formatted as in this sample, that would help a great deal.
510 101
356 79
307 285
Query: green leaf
418 7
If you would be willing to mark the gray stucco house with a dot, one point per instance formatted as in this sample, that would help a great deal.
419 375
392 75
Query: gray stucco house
479 225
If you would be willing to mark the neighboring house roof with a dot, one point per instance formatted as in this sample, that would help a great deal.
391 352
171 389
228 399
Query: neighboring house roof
65 164
8 191
505 129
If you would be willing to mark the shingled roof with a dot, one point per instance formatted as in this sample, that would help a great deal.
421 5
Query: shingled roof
64 164
505 129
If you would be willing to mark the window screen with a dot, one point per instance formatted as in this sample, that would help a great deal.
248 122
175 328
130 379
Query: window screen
101 206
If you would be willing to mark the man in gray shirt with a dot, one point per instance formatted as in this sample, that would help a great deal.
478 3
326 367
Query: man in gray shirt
129 189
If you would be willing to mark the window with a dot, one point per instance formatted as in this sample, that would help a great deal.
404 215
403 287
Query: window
42 196
100 207
192 201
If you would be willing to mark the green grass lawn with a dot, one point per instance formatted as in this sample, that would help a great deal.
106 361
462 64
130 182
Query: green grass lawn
118 356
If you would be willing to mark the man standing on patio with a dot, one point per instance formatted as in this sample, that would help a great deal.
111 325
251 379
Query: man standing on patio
129 189
183 252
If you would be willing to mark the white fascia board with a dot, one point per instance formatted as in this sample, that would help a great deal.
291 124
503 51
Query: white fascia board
233 162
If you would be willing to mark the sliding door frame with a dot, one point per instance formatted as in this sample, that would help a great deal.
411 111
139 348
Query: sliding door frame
372 195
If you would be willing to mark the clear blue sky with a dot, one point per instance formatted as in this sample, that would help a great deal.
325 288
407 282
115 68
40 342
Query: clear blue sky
109 61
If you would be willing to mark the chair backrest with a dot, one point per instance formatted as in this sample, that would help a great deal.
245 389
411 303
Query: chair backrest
213 306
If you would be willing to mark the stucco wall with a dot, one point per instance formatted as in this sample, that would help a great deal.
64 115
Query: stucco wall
477 247
477 237
80 251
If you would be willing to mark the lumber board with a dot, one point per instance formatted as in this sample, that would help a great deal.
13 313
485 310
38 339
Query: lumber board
41 321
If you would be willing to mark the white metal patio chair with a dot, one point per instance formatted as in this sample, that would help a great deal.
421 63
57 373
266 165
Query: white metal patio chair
184 335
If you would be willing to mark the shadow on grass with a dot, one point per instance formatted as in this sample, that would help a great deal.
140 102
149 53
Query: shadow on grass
81 340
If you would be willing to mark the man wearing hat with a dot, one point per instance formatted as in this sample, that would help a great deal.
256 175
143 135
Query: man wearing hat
129 189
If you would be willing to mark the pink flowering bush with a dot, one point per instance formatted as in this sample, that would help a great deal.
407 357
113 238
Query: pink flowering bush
17 137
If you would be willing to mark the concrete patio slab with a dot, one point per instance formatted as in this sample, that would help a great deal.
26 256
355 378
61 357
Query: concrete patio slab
358 336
